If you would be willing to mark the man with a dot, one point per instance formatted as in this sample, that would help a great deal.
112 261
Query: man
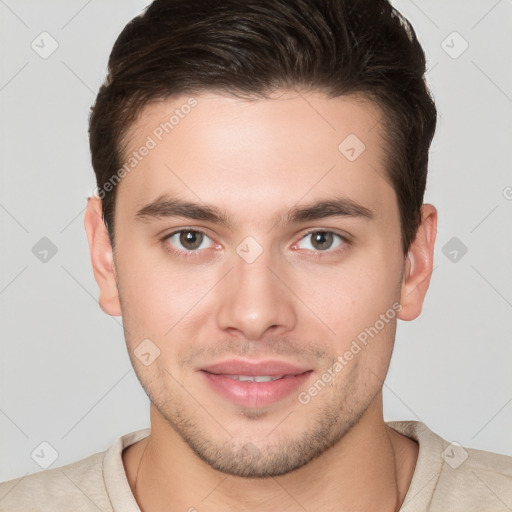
260 226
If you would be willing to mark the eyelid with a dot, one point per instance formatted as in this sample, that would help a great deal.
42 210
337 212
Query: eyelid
345 240
326 230
165 240
186 228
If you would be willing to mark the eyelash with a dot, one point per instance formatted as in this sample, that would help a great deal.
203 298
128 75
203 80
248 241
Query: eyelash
196 253
319 254
186 253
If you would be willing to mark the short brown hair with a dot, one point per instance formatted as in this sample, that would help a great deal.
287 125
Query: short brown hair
255 47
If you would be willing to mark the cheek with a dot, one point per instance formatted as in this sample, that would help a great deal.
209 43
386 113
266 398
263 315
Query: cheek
158 296
353 295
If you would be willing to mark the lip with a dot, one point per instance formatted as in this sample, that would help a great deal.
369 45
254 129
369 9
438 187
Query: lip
255 394
240 367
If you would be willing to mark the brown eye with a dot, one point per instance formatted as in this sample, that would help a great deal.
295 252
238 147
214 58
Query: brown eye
321 241
189 240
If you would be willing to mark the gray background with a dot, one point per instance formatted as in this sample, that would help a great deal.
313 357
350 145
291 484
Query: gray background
65 376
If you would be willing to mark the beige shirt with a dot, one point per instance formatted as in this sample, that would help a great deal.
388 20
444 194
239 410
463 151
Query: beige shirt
447 478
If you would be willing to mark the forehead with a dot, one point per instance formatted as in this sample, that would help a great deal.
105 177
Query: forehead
238 152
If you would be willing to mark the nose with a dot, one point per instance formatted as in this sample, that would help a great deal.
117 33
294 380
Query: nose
254 302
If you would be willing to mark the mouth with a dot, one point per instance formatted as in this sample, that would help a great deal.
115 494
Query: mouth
252 384
255 378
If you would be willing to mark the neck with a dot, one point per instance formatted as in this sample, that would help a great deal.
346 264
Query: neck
370 468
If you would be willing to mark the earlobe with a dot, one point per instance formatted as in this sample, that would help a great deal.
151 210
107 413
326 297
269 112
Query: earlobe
101 257
418 265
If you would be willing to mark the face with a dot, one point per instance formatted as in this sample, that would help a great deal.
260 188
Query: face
259 239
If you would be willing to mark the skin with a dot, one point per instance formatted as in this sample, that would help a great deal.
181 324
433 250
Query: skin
257 160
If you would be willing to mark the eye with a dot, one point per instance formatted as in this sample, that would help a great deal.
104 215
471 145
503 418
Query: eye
320 241
189 240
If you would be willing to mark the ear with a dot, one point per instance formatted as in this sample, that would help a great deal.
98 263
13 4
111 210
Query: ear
418 265
102 257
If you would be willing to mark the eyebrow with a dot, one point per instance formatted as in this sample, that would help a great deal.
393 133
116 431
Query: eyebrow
170 207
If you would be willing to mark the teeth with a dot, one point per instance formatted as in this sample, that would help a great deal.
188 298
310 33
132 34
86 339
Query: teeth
254 378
